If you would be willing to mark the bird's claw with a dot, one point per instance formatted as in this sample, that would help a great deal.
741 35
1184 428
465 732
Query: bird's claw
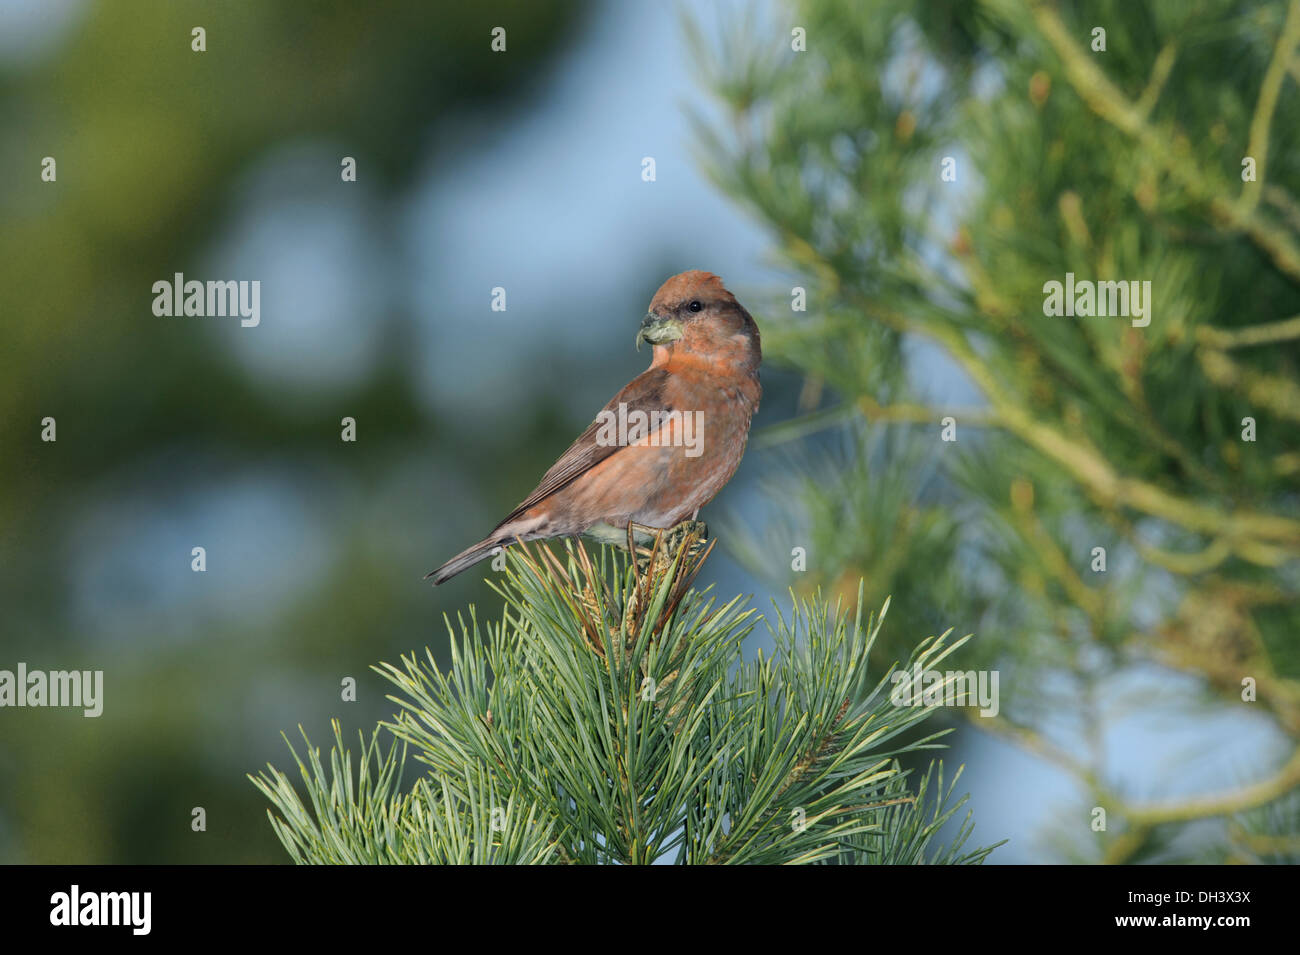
667 543
695 531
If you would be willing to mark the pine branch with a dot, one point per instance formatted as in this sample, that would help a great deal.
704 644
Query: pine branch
609 717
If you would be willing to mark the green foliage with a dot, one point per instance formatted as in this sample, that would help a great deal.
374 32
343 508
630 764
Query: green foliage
609 717
366 820
1080 432
167 160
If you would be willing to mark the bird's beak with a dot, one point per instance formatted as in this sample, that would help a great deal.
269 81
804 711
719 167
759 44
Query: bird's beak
658 330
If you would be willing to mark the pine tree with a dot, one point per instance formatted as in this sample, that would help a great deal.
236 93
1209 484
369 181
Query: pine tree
1120 491
609 716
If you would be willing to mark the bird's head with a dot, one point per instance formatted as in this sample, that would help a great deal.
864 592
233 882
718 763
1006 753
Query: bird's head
694 312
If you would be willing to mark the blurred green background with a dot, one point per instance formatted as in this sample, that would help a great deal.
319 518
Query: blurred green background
778 168
476 169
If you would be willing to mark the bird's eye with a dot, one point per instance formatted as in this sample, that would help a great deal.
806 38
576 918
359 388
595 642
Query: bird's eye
695 306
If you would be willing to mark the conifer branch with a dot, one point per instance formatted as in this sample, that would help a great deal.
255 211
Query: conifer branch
610 717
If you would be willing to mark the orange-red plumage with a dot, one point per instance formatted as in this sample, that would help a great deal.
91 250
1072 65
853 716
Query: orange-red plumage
705 365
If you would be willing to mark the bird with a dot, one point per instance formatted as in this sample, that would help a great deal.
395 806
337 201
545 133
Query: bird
662 447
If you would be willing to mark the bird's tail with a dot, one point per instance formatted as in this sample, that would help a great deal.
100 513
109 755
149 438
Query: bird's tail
465 560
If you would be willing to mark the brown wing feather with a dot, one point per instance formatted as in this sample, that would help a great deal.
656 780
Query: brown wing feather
645 393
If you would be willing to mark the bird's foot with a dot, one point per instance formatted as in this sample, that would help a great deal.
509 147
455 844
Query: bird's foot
662 545
673 560
693 534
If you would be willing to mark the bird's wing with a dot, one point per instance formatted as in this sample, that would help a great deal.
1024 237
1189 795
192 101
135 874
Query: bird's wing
645 392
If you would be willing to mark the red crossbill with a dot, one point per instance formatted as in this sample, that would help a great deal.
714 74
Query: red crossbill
664 445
